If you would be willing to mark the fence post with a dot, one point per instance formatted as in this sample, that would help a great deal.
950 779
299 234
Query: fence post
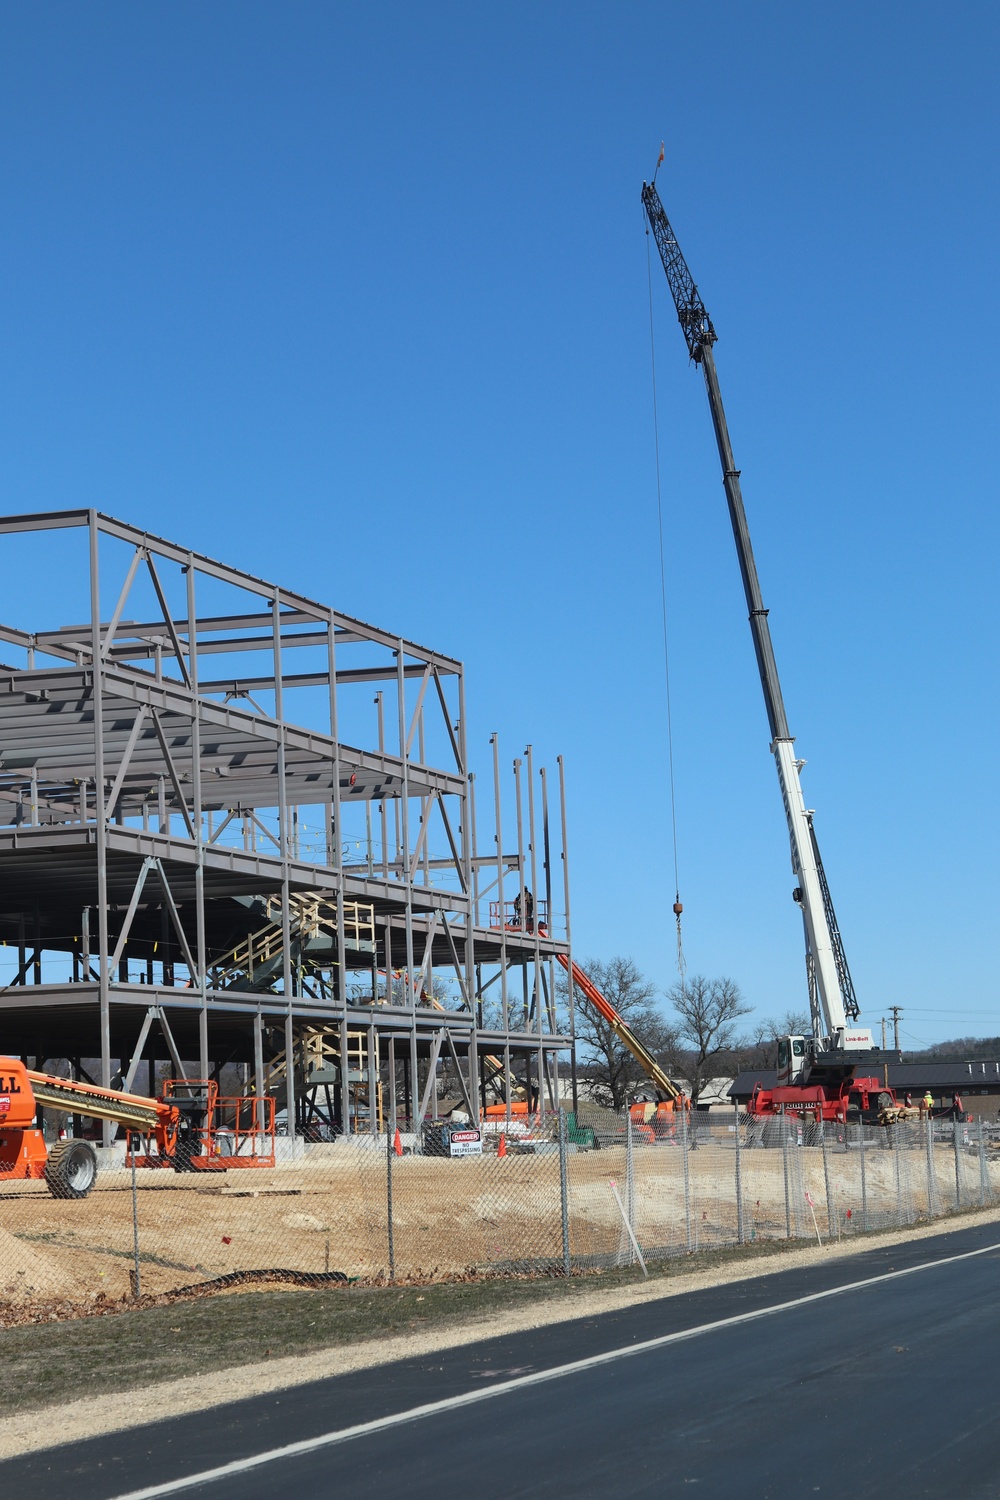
784 1162
864 1176
389 1154
564 1191
740 1234
931 1195
136 1290
629 1173
899 1180
958 1169
832 1227
687 1177
982 1162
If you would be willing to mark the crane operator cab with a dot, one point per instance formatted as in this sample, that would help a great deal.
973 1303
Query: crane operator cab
793 1060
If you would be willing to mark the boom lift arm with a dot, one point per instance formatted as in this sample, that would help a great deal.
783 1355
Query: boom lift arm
833 1003
184 1129
622 1031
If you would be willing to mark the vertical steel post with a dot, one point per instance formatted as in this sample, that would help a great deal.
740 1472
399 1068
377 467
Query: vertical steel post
471 980
687 1177
286 921
552 1017
337 849
982 1162
569 933
519 823
564 1191
958 1168
740 1229
470 879
107 1130
383 814
899 1178
931 1194
392 1084
260 1110
532 852
407 872
199 849
864 1175
84 944
373 1119
504 1007
474 885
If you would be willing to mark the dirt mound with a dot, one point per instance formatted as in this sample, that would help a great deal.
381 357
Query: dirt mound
26 1272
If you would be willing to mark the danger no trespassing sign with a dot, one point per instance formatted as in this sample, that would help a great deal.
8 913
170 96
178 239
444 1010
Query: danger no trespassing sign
465 1143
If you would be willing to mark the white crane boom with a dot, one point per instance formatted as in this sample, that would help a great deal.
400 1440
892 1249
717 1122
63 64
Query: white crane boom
833 1004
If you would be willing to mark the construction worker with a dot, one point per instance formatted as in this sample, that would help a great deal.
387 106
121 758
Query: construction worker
928 1103
529 911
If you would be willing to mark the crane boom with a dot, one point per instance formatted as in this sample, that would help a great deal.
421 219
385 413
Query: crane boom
833 1002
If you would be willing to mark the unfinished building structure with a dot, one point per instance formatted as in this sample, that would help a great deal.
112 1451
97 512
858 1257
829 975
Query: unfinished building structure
239 826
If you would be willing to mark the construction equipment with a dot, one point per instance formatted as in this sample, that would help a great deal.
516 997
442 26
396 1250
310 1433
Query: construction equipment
837 1045
669 1092
189 1129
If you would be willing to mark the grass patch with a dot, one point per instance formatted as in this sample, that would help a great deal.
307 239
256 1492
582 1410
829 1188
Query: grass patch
50 1362
123 1347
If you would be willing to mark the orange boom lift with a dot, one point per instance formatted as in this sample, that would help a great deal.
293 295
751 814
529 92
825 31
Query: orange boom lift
189 1129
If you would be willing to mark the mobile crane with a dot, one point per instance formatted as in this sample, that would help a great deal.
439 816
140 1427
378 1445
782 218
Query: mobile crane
816 1074
189 1128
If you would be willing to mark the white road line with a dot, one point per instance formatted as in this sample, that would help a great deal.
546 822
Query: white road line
502 1387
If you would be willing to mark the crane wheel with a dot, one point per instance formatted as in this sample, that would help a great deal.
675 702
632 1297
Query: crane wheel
71 1169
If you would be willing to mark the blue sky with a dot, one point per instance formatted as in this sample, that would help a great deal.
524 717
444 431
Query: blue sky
356 299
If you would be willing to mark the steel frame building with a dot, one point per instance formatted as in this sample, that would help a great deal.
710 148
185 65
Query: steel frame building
241 827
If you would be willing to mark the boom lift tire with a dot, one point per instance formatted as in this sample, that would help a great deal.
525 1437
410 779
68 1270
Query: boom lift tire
71 1169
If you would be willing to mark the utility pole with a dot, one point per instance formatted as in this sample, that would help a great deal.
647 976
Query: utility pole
883 1033
895 1009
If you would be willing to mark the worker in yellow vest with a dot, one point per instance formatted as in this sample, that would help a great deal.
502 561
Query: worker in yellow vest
928 1102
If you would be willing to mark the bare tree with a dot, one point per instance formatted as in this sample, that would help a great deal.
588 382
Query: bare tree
616 1078
707 1011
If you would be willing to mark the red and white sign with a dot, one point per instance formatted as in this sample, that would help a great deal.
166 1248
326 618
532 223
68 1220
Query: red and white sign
465 1143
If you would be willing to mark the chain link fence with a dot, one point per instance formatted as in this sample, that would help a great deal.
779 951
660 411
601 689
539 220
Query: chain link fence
536 1201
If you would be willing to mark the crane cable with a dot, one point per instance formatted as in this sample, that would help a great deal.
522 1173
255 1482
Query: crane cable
678 906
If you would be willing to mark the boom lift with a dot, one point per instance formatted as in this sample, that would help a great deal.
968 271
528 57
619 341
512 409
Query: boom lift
665 1087
671 1097
189 1129
814 1072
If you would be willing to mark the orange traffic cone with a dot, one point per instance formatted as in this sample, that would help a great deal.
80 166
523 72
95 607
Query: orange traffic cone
502 1148
397 1144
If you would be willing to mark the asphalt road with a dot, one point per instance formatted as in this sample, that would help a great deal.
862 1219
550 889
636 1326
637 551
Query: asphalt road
884 1389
